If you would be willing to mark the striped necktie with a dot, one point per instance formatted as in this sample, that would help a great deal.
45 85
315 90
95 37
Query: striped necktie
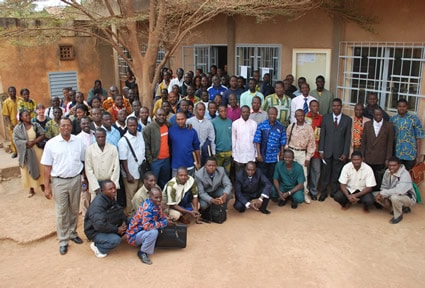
305 108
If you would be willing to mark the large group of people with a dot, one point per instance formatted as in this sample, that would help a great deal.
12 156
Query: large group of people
209 136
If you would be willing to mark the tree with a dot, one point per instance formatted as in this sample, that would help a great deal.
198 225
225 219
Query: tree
127 25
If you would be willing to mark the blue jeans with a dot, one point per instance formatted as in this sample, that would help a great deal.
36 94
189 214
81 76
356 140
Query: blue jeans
147 240
161 168
105 242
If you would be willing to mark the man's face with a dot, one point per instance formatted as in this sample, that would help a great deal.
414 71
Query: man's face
204 81
150 182
65 127
205 96
79 98
305 90
100 138
240 83
132 126
210 166
288 158
155 196
251 85
377 115
12 92
272 113
110 190
200 111
402 108
336 107
144 114
218 99
233 82
372 100
216 81
160 117
358 111
184 106
233 102
266 78
393 167
245 113
136 106
256 76
314 107
85 125
172 98
182 176
279 89
300 82
180 73
95 114
113 91
299 116
55 102
166 107
256 104
122 115
250 169
107 121
222 112
130 94
187 78
320 83
57 113
357 161
190 91
118 101
212 108
167 77
181 120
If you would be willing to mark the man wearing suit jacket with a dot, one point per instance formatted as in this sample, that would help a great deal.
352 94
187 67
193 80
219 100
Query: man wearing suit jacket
214 186
377 144
334 146
252 189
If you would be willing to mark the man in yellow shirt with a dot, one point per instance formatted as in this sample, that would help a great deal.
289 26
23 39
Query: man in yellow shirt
9 111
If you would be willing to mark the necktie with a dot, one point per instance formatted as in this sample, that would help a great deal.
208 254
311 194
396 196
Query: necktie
336 122
305 106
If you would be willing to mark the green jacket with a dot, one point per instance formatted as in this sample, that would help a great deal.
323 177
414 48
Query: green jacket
152 138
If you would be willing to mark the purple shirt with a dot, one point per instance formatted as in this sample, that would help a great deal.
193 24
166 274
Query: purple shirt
233 113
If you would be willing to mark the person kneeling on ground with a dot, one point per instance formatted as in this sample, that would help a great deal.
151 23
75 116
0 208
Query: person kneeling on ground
105 221
149 181
356 183
181 195
252 189
288 180
143 228
396 190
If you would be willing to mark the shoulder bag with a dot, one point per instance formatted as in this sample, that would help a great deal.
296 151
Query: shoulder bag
144 167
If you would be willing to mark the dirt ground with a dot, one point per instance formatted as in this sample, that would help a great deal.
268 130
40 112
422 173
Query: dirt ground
316 245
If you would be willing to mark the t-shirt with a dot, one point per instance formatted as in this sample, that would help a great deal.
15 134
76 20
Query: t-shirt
164 152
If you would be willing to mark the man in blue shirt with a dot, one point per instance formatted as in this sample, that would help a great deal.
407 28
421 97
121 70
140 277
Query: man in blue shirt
216 88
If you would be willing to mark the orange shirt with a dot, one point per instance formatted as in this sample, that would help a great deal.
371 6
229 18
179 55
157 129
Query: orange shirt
164 150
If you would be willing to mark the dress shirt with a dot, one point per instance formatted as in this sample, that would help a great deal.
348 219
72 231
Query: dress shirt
138 144
243 147
112 136
87 138
377 126
298 103
338 118
357 179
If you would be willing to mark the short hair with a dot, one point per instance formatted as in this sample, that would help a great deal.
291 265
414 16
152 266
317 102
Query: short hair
337 100
106 113
100 130
40 106
356 153
289 151
299 110
312 101
270 108
222 106
67 119
131 118
280 82
211 103
104 182
256 97
359 104
181 168
402 100
147 175
320 77
210 158
394 159
246 106
86 118
251 163
199 103
24 90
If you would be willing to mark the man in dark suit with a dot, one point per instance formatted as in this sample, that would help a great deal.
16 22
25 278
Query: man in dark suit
377 144
252 189
334 146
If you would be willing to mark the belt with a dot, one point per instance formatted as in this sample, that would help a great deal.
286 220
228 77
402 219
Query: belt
66 177
292 148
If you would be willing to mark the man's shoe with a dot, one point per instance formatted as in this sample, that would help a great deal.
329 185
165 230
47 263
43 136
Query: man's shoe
313 197
96 251
294 205
265 211
406 210
63 249
346 206
14 155
77 240
323 197
307 199
395 221
365 209
281 203
144 257
378 206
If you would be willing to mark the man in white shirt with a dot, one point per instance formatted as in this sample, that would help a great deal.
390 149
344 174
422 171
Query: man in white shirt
63 158
301 102
131 149
176 81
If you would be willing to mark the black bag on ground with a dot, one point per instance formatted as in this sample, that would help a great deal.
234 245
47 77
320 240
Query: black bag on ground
173 236
215 213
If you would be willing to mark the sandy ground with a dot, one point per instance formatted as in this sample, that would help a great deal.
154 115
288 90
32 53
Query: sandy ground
316 245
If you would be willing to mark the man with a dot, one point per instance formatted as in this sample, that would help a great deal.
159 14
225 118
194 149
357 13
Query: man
233 89
396 190
288 180
214 185
334 146
270 140
216 88
408 132
143 227
113 92
181 196
63 158
102 226
184 88
233 111
357 181
252 189
10 112
131 151
266 87
292 88
377 144
323 95
165 84
301 102
96 117
184 108
357 129
87 137
205 131
190 95
243 147
157 147
301 141
185 146
120 124
223 139
101 163
178 80
212 110
301 80
281 102
55 104
112 134
371 105
96 88
315 120
117 106
257 114
204 86
246 97
149 181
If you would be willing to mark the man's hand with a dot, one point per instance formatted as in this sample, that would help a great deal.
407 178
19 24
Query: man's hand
342 158
197 165
255 204
378 198
130 178
259 158
47 192
216 201
353 198
307 163
122 229
282 196
223 198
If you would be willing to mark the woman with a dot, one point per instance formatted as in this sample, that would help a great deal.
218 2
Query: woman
197 82
25 103
26 136
81 110
40 118
97 90
52 127
176 89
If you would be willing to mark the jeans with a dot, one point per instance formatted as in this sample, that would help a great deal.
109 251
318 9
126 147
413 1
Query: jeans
161 168
147 240
105 242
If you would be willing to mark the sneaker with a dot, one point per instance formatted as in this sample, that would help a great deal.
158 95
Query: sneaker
144 257
307 199
96 251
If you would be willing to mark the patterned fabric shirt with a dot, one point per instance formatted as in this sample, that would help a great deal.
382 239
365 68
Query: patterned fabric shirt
52 129
174 191
28 106
357 131
301 137
283 107
406 129
270 138
149 216
316 124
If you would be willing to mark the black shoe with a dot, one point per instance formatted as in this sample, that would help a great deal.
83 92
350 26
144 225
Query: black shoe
395 221
144 257
77 240
265 211
323 197
294 205
378 206
14 155
275 200
333 195
63 249
313 197
406 210
281 203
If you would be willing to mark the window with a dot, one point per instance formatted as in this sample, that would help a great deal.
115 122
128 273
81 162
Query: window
59 80
66 52
258 57
123 66
391 70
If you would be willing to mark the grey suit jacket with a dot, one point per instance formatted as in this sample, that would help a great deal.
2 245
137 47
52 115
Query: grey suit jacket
377 149
335 141
207 186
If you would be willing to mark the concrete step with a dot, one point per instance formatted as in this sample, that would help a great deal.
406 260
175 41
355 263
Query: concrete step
9 167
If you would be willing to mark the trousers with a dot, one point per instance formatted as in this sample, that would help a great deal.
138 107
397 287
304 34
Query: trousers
105 242
147 240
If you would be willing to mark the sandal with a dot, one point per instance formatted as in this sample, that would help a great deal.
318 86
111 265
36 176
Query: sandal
31 193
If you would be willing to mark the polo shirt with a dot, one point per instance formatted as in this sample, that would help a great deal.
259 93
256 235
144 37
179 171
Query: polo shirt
357 179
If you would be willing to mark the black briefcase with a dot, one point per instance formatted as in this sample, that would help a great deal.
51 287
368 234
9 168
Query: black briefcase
173 236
